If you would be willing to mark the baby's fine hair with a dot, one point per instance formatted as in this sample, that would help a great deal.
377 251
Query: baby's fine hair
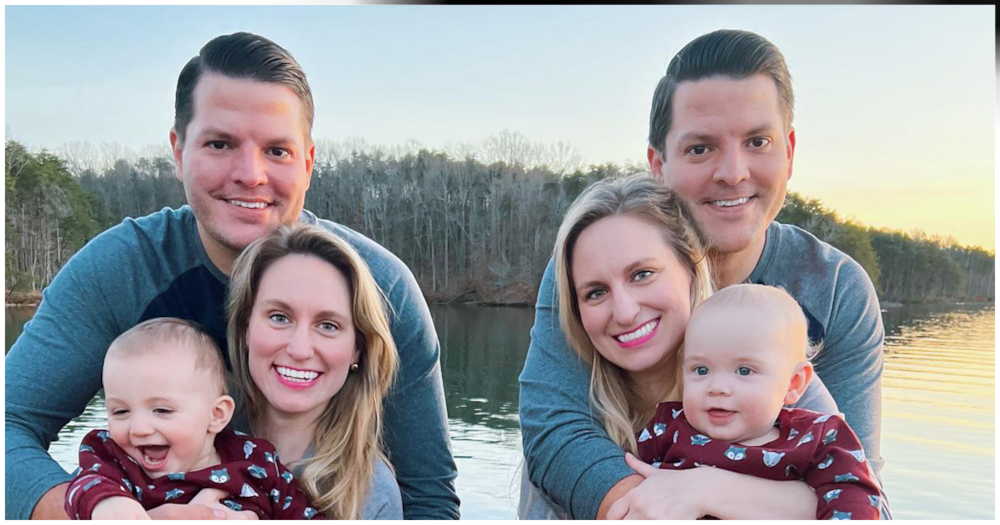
773 298
175 335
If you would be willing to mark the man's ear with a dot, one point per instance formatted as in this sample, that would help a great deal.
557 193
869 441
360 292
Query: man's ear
800 380
310 161
655 163
177 148
790 150
222 412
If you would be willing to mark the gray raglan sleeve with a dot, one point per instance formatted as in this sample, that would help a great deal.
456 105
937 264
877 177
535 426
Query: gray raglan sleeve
850 361
568 454
416 420
384 501
52 372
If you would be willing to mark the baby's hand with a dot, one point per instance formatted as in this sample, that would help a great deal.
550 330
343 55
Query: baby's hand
119 508
212 498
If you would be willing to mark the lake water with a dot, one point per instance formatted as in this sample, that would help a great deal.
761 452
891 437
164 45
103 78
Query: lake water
938 413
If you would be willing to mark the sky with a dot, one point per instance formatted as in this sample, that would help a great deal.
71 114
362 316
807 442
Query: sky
895 114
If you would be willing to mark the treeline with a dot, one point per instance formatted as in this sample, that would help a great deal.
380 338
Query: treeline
469 230
903 267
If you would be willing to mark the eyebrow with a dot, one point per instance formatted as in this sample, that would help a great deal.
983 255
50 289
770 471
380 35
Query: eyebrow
217 133
700 136
278 303
157 399
225 135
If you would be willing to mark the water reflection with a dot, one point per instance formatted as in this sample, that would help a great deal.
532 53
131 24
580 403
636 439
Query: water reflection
482 353
938 418
938 412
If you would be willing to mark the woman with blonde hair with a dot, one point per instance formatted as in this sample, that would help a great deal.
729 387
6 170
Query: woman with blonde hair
629 269
311 349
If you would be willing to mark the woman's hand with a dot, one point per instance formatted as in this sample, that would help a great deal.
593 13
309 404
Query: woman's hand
665 494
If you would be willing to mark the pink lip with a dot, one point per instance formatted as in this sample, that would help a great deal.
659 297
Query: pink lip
720 416
295 385
640 341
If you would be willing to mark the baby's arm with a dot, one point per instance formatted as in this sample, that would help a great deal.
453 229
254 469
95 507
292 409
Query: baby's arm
845 487
119 508
99 490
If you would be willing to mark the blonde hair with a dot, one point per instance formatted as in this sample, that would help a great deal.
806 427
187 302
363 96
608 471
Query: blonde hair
168 333
348 435
780 305
611 394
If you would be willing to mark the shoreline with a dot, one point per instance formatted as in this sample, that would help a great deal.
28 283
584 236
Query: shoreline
33 299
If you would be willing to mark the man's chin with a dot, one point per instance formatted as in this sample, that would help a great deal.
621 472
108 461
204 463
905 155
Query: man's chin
237 239
733 239
727 246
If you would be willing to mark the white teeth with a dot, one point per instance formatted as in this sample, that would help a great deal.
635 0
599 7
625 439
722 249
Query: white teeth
643 331
296 375
736 202
254 205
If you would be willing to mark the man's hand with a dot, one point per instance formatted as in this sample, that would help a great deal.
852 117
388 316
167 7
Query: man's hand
212 498
665 494
119 508
52 505
617 491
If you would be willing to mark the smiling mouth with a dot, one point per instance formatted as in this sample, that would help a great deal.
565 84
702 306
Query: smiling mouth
296 376
154 457
638 333
248 204
730 203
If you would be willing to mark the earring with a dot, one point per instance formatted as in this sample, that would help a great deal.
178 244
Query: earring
354 367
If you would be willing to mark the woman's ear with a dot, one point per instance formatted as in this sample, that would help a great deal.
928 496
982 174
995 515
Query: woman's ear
800 380
222 412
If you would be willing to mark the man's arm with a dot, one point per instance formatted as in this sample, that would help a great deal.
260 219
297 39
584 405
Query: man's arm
54 368
568 454
850 361
52 372
416 420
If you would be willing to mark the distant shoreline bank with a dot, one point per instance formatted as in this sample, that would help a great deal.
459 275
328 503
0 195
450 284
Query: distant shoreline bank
33 299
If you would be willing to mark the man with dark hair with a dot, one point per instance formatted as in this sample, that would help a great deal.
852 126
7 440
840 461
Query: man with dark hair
243 150
720 136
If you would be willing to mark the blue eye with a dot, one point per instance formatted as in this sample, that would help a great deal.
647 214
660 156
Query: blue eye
701 370
278 318
328 326
641 274
744 371
596 294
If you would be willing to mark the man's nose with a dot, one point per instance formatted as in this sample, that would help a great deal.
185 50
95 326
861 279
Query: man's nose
733 167
251 167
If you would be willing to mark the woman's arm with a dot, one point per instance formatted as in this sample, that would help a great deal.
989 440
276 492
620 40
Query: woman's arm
708 491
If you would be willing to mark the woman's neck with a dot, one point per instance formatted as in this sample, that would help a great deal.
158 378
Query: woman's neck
653 386
290 435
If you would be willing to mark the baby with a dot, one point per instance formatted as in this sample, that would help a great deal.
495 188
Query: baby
744 358
165 391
